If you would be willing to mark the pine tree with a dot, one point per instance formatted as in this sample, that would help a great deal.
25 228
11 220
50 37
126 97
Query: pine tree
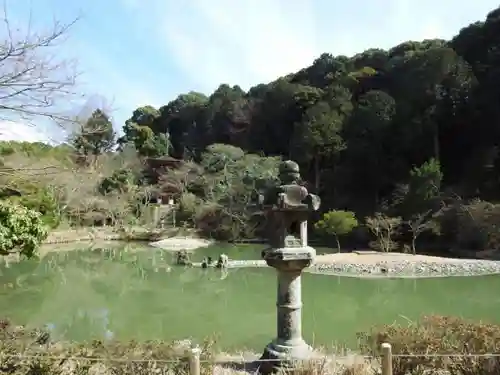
96 135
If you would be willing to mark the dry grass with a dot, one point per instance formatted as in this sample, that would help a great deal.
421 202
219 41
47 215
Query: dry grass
414 348
441 344
73 186
322 365
24 351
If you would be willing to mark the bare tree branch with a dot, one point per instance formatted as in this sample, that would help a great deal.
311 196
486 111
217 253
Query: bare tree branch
33 79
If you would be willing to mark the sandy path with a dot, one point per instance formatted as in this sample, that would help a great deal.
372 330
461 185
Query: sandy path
374 258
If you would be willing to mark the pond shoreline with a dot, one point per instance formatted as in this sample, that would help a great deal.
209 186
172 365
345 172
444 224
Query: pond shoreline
102 291
131 234
355 264
388 265
407 269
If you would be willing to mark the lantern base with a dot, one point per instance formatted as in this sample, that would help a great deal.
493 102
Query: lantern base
278 355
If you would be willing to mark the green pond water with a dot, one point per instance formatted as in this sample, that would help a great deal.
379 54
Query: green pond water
128 293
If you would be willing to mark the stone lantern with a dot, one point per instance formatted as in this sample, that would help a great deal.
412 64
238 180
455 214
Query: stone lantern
287 208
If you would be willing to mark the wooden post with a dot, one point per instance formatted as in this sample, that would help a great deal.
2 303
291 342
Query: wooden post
194 361
386 359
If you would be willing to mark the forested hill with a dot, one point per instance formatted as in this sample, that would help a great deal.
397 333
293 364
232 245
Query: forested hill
357 125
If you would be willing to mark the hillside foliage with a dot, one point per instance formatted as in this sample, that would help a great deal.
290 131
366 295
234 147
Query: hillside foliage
411 133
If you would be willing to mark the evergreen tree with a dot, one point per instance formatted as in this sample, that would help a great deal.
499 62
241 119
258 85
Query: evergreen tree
96 135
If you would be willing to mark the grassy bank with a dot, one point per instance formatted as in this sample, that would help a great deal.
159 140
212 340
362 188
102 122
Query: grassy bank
432 345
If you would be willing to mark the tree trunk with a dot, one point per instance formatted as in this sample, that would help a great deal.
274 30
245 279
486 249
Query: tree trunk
338 243
413 247
436 143
317 176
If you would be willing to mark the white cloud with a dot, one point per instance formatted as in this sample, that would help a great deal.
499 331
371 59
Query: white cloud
251 41
237 42
17 131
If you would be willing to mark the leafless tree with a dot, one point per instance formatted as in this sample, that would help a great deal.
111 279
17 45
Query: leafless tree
34 80
420 223
383 228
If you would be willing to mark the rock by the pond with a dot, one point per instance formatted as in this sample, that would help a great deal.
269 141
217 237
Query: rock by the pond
181 243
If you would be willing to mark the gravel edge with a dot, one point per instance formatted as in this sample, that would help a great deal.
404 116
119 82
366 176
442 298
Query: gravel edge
394 268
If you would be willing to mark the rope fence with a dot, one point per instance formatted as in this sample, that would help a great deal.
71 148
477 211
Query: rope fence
194 361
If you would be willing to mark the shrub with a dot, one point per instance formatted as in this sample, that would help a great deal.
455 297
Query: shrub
21 229
383 228
337 223
31 351
437 335
119 181
90 211
473 226
188 205
43 201
214 222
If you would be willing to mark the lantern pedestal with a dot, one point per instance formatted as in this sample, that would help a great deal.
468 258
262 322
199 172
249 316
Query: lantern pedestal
289 346
287 208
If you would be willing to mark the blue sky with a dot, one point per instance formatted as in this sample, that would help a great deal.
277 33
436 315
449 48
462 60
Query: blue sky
135 52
